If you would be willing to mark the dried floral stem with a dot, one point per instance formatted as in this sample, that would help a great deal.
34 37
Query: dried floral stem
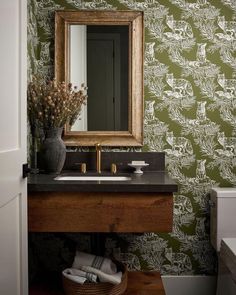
54 104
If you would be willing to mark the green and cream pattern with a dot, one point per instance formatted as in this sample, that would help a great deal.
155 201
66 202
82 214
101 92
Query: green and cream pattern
190 113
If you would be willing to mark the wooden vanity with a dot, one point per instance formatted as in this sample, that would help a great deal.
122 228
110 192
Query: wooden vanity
100 212
105 212
143 204
56 211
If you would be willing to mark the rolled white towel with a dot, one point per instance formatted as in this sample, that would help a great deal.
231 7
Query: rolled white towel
104 277
79 276
85 259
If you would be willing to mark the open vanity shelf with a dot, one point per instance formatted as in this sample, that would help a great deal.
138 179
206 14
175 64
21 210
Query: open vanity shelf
143 283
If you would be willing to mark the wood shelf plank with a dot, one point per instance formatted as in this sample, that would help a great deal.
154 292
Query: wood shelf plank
139 283
144 283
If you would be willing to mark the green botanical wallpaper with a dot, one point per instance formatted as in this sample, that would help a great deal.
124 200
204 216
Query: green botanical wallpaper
190 102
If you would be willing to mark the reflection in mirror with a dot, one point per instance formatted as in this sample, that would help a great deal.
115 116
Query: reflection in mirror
99 58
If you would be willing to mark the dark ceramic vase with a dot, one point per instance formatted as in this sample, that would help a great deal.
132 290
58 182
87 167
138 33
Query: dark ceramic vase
53 150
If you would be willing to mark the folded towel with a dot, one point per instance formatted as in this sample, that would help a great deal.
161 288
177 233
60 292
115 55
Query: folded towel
104 264
104 277
79 276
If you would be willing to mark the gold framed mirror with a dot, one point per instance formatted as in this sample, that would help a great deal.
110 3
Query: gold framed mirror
104 50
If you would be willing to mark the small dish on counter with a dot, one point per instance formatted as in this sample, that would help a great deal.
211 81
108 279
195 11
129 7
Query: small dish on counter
138 165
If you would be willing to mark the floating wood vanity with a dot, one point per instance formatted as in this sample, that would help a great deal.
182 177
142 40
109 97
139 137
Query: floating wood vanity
142 204
100 212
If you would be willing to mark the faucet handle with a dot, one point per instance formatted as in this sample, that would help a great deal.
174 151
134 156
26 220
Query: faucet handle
113 168
83 168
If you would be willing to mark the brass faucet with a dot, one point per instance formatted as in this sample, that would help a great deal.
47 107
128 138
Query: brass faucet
98 157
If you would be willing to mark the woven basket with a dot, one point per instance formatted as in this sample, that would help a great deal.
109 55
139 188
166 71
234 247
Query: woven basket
72 288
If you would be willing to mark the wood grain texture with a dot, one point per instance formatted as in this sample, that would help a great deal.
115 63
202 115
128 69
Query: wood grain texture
134 20
100 212
144 283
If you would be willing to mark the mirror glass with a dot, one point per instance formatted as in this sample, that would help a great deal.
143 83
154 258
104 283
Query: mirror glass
99 59
103 50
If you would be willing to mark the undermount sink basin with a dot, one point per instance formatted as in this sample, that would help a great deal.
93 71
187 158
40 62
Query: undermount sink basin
93 178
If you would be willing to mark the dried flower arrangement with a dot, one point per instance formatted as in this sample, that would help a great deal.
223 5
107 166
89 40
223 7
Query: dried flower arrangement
53 104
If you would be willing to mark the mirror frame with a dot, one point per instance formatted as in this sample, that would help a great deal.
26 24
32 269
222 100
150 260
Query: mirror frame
134 20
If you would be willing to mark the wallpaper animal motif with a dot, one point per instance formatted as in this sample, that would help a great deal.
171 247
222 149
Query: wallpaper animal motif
190 102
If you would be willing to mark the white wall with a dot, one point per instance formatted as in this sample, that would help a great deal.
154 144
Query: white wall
78 68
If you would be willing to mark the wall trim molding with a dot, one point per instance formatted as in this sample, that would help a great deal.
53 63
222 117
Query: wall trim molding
185 285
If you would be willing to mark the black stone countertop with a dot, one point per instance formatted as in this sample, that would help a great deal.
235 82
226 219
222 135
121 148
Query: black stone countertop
150 181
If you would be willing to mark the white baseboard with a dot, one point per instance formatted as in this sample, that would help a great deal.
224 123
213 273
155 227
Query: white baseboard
189 285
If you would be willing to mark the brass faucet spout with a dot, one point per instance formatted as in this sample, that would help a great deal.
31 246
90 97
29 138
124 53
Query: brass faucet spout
98 157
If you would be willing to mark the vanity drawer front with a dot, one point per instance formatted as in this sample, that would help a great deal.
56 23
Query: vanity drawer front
100 212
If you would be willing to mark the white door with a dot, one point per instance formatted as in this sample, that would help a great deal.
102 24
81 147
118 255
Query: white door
13 194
